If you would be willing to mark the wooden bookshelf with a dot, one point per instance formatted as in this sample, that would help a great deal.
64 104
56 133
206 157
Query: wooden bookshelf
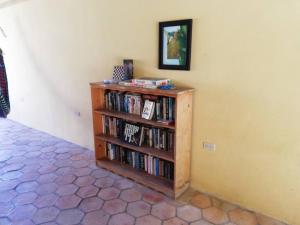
182 127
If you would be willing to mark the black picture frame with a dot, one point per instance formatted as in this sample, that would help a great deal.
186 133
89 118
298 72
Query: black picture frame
178 55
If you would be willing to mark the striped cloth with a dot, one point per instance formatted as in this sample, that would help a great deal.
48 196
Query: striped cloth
4 97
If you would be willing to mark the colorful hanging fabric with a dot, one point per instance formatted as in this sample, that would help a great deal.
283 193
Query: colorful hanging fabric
4 97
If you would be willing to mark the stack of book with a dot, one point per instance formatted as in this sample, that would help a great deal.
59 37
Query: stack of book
148 106
140 161
123 102
139 134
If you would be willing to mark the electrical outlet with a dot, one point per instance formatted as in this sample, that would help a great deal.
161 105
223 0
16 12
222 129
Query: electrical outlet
209 146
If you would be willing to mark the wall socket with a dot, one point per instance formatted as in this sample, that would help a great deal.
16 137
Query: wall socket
209 146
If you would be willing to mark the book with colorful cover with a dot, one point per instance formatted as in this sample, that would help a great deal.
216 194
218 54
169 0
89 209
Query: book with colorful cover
148 110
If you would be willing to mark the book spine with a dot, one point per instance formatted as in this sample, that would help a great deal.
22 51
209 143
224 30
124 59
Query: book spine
157 167
157 104
164 108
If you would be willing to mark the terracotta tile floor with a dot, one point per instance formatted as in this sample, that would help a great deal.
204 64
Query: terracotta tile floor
46 180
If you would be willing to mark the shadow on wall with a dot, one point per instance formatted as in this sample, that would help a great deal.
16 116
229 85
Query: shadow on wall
8 3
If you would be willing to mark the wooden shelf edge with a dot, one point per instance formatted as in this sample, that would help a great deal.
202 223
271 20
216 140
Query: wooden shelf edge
157 183
133 118
170 93
151 151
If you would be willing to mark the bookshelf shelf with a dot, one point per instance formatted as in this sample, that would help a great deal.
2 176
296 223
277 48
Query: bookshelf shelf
169 156
153 182
173 177
133 118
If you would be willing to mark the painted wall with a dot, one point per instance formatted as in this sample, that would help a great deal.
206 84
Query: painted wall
245 68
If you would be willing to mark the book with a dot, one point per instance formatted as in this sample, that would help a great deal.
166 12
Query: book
148 110
131 133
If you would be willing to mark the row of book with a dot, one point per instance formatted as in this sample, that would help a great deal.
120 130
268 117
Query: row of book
161 108
139 134
150 164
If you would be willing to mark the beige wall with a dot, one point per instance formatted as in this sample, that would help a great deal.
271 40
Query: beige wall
245 68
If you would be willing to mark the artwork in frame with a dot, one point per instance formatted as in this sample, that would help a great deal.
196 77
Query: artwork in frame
175 39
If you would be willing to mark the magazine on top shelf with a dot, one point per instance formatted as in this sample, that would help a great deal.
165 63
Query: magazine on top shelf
151 81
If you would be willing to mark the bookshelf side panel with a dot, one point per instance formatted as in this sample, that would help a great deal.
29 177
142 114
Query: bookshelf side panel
98 102
183 142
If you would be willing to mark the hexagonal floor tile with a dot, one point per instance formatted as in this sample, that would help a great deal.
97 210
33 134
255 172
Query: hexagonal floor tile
123 184
121 219
204 222
99 173
25 198
45 215
6 208
163 210
11 175
153 197
65 170
47 178
109 193
139 208
80 164
7 196
47 169
91 204
68 202
114 206
84 181
130 195
5 221
87 191
45 200
215 215
98 217
242 217
175 221
27 187
45 189
82 171
22 212
148 220
67 189
189 213
201 201
225 206
70 217
65 179
104 182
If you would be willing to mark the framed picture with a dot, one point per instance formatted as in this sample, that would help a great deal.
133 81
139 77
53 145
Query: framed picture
175 44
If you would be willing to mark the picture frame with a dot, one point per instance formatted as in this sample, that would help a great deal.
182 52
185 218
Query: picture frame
175 40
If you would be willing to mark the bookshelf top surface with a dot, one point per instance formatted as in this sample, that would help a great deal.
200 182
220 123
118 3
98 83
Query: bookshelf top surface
172 92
